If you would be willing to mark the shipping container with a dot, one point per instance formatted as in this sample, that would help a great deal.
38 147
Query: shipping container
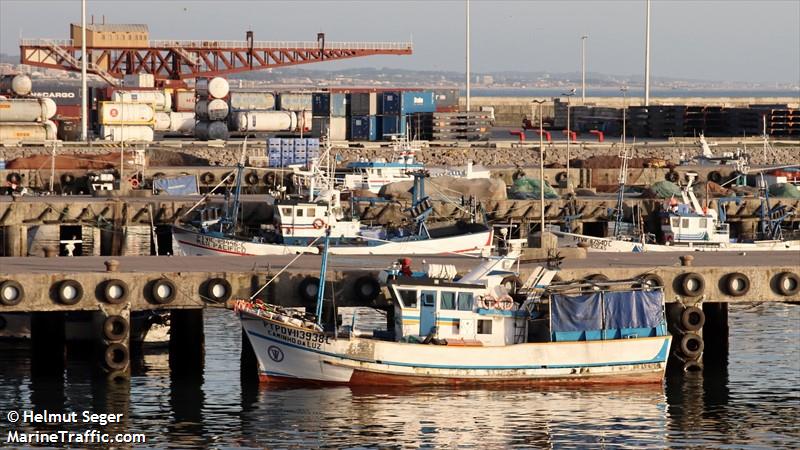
375 131
321 104
252 101
159 99
69 130
339 105
359 129
61 93
393 125
215 109
319 126
111 113
338 129
184 101
446 99
417 102
139 80
68 111
27 109
212 88
119 133
295 101
360 104
390 103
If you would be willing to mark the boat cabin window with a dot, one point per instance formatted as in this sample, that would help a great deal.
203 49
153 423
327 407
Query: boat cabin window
312 212
448 300
465 301
703 223
484 326
408 298
428 298
286 211
676 222
684 223
299 212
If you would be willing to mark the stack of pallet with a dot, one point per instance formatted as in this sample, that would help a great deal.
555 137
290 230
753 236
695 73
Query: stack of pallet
469 126
783 122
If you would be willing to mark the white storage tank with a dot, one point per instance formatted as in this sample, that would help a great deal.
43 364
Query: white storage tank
159 99
111 113
27 109
181 122
120 133
210 130
304 120
18 84
162 121
215 109
251 100
215 87
264 121
27 131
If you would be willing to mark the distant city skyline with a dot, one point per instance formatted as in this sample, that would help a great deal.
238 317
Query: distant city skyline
746 41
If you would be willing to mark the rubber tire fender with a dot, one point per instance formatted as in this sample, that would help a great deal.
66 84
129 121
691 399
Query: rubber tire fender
207 178
651 279
731 284
67 179
686 281
692 318
215 282
308 288
14 178
780 283
13 284
61 296
692 345
561 176
115 284
269 178
115 328
251 179
672 176
163 299
366 288
714 176
116 356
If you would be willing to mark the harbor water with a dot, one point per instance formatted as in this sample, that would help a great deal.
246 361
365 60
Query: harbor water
753 403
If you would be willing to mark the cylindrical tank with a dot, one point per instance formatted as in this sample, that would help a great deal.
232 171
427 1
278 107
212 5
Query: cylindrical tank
159 99
28 131
181 122
162 121
265 121
211 109
27 109
215 87
210 130
250 100
304 119
112 113
18 84
119 133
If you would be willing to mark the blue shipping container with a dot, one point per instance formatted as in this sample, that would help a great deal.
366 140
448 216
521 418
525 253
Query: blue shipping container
338 105
416 102
390 103
321 104
359 128
393 125
373 128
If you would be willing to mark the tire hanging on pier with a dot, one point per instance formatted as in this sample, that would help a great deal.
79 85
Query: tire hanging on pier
308 288
787 283
67 179
714 176
207 178
672 176
218 290
269 178
692 318
251 179
162 291
692 365
115 291
561 177
692 345
11 293
650 280
736 284
69 292
115 328
366 288
116 356
692 284
14 178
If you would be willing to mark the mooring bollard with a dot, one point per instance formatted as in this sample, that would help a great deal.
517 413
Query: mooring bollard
686 260
111 265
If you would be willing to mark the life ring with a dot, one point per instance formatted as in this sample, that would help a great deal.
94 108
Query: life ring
269 178
115 328
318 223
308 288
116 356
787 283
162 291
692 345
207 178
692 284
11 293
69 292
650 281
672 176
218 290
561 177
714 176
115 291
14 178
488 301
505 303
692 318
366 288
134 183
736 284
67 179
251 179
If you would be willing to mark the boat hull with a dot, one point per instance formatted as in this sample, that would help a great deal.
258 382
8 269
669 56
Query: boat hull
288 354
607 245
195 243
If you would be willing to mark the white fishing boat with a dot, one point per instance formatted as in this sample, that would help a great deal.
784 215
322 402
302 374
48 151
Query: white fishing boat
471 330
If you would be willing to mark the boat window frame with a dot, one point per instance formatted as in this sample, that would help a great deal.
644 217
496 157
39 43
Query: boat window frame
676 222
299 212
312 212
423 293
403 300
685 223
482 325
454 303
471 300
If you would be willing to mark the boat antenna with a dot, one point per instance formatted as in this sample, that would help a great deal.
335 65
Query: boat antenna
322 269
234 213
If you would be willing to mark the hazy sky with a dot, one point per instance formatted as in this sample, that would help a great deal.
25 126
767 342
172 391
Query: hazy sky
739 40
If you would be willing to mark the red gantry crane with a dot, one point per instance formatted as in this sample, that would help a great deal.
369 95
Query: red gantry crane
116 49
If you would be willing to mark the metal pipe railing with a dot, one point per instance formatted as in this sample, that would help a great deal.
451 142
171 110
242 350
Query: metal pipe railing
287 45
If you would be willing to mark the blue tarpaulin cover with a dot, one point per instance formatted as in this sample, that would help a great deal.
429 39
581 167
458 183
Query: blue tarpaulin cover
606 311
185 185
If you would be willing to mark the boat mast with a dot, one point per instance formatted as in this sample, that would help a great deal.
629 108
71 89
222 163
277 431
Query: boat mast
233 213
623 171
322 269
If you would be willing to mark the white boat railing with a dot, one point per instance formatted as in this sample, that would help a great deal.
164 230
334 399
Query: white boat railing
280 45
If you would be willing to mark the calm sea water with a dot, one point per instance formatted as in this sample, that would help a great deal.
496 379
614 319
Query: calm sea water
755 403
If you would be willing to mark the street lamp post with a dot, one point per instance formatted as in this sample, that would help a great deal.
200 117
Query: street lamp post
467 68
647 57
541 173
569 135
84 89
583 68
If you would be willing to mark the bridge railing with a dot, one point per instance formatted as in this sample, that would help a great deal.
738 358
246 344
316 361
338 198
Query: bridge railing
288 45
